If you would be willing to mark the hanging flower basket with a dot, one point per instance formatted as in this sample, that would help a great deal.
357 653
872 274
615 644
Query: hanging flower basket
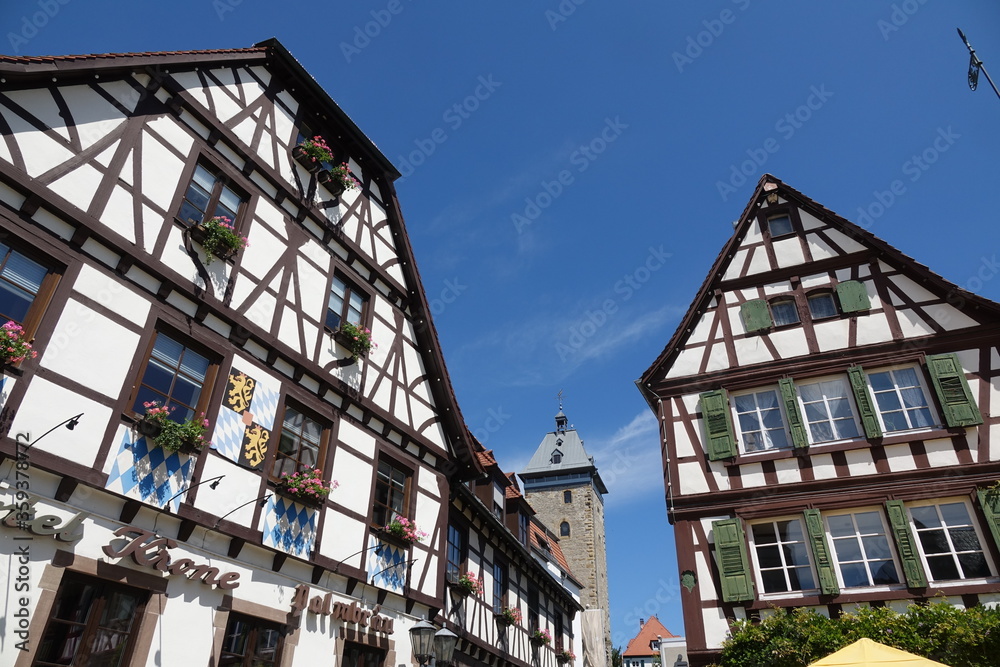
306 487
357 339
338 179
541 638
508 616
187 437
565 656
14 346
312 153
468 584
219 238
402 532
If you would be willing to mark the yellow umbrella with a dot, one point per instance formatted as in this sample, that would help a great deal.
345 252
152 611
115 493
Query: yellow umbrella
867 652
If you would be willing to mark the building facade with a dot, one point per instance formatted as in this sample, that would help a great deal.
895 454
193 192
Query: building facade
128 538
654 646
563 485
828 411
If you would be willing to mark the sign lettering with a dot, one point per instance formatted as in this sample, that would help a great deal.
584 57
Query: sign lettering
148 549
324 605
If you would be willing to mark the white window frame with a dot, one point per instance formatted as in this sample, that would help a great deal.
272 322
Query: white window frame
983 544
737 428
928 396
859 427
887 533
756 563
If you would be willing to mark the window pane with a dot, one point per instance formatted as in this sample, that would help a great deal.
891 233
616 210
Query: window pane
780 225
784 312
840 525
934 542
23 272
848 549
884 572
822 305
925 517
774 581
854 574
974 565
876 547
954 514
204 178
880 381
764 533
942 568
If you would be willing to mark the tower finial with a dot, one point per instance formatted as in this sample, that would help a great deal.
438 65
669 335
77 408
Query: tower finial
561 420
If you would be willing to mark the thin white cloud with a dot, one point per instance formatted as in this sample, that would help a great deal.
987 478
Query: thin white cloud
629 462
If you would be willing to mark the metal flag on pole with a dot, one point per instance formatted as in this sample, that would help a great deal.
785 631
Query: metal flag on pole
975 66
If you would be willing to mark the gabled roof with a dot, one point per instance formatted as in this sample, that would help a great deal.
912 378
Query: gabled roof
273 54
770 185
640 645
547 544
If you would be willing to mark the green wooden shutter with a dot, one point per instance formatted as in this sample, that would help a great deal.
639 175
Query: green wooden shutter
718 425
953 391
755 315
853 296
989 500
795 424
734 567
906 546
821 553
863 399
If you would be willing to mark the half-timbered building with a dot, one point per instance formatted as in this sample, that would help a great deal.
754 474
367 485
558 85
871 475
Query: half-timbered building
526 590
123 547
828 409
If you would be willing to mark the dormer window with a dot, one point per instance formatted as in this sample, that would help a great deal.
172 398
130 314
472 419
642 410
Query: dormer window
556 456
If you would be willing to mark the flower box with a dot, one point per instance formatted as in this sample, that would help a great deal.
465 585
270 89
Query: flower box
14 348
562 657
187 437
357 339
312 153
540 638
467 584
306 487
401 532
507 616
303 158
219 238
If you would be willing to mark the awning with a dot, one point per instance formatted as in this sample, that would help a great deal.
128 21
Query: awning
867 652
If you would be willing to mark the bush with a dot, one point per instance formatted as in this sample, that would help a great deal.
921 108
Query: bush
939 631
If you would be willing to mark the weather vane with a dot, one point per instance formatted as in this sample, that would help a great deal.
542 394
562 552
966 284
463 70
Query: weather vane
559 397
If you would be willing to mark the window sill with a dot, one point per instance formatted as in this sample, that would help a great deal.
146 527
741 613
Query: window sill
842 446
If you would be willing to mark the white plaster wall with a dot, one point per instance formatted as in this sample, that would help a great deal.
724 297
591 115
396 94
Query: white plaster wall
752 475
692 479
941 453
751 350
45 405
873 328
83 342
859 462
238 487
899 458
343 536
823 466
161 170
355 478
788 252
40 153
790 342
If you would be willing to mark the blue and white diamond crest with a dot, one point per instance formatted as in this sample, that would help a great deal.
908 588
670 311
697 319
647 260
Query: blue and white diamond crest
386 565
289 526
149 473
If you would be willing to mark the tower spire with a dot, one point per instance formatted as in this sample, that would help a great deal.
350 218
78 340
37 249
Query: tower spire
561 420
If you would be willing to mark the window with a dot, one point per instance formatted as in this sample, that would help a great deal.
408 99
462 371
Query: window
532 608
207 196
456 553
780 225
392 486
760 421
861 547
174 375
557 629
782 556
784 311
301 445
564 529
499 587
556 456
93 622
827 410
346 304
21 281
567 497
821 305
251 642
901 399
522 528
361 655
949 541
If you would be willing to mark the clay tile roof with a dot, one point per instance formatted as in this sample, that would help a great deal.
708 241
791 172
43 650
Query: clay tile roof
486 458
549 544
639 645
511 491
141 54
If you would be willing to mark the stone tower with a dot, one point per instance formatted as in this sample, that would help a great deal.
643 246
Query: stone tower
564 487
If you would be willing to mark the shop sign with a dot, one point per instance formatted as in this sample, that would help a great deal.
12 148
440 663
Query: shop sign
22 515
150 550
348 613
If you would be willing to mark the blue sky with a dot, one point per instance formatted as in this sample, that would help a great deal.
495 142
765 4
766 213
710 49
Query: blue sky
572 169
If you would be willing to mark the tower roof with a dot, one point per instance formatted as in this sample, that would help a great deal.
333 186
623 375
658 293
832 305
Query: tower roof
560 453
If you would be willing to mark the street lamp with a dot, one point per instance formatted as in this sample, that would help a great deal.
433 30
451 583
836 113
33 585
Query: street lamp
430 643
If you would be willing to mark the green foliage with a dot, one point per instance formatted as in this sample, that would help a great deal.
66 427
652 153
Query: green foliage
616 656
939 631
358 339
